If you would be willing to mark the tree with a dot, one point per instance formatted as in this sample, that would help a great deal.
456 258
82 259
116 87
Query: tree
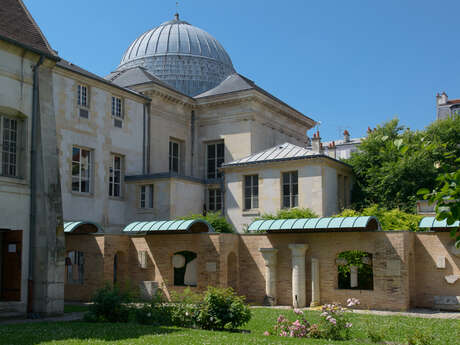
393 162
217 221
447 198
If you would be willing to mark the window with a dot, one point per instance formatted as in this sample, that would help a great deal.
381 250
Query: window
115 176
251 192
81 170
9 141
75 267
82 96
146 196
355 270
215 154
214 200
82 100
290 189
117 111
174 156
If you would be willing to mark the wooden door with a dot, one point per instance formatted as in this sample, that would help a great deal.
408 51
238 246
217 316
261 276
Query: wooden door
11 265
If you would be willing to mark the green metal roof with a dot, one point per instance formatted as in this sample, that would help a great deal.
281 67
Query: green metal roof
72 226
313 223
431 222
165 225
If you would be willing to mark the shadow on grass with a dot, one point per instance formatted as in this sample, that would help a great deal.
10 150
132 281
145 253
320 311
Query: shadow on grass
36 333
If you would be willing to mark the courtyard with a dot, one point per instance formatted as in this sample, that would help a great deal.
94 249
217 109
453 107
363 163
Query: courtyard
395 330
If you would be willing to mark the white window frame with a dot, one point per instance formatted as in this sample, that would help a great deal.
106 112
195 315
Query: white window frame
251 191
83 97
172 157
113 172
293 198
10 157
117 109
146 196
213 195
216 162
80 166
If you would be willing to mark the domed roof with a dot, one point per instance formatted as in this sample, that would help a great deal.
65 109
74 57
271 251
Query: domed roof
182 55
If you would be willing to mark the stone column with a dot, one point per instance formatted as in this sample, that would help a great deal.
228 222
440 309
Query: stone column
269 255
315 293
353 276
298 274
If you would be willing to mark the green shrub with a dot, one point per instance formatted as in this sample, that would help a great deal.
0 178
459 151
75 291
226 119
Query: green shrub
420 338
290 213
109 305
217 221
156 312
389 219
184 308
222 309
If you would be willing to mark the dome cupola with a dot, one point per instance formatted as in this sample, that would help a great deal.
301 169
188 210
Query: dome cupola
183 56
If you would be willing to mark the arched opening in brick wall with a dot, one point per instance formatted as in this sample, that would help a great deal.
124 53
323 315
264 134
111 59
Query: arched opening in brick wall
355 270
232 271
75 267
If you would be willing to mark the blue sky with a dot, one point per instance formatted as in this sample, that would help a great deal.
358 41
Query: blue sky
349 64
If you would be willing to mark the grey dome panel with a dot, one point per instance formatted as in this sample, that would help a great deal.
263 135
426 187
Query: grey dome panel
181 55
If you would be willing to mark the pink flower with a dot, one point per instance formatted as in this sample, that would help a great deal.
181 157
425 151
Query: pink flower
283 334
323 314
348 325
333 321
281 318
266 333
298 311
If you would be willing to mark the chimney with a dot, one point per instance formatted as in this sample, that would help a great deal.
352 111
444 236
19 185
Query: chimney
442 99
332 150
346 136
316 143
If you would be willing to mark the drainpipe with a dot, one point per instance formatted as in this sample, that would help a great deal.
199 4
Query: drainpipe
143 140
33 167
148 138
192 130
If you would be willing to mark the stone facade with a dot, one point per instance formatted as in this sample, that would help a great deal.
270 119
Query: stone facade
279 266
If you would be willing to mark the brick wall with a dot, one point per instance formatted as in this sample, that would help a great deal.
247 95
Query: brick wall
404 264
430 280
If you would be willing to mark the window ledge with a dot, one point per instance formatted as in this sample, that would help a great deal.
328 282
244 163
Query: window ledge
144 210
14 180
251 213
116 198
85 195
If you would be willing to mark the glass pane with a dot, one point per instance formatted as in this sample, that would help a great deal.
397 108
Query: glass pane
75 169
110 189
211 151
286 203
294 177
175 149
116 188
247 181
247 192
75 184
220 150
76 154
247 203
175 165
286 190
285 178
255 202
117 162
295 200
151 196
295 189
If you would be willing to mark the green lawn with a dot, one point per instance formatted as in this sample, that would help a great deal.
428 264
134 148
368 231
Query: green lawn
395 328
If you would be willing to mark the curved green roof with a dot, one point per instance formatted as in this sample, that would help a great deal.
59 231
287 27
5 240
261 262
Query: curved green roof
364 223
431 222
70 227
168 225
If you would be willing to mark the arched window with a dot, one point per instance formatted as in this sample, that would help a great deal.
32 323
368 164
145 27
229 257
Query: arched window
75 267
185 268
355 270
115 269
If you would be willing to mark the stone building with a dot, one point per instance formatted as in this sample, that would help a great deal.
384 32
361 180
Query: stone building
32 249
446 107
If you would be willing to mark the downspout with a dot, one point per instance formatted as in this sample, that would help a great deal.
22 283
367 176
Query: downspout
143 141
192 133
33 167
148 138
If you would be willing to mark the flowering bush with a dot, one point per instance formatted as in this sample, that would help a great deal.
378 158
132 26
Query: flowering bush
299 328
335 323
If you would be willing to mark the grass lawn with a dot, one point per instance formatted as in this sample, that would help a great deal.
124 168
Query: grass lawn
396 330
